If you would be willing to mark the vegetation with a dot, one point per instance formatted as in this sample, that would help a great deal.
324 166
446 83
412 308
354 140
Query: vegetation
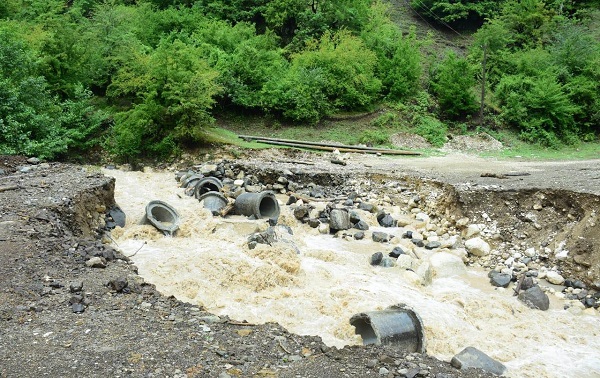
146 78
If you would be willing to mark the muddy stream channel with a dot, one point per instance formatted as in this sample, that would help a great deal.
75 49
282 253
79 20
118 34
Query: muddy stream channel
313 283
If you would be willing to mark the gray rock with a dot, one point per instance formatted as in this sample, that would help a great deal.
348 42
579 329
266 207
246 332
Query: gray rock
301 212
527 283
376 258
117 215
381 237
361 225
500 279
433 245
314 222
359 235
386 221
366 207
76 286
118 284
354 217
387 262
339 219
473 358
396 252
33 160
418 242
78 308
535 298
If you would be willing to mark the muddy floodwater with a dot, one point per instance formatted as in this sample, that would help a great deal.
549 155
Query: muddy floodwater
316 291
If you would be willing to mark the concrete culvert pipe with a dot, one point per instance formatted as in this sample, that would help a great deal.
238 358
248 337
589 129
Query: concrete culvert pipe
207 184
398 326
260 205
213 201
162 216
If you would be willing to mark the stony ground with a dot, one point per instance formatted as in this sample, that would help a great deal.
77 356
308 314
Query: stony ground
63 315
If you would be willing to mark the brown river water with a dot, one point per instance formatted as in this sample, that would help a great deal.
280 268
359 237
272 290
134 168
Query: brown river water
316 291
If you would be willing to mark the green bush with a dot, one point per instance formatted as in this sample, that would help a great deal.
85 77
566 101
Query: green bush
539 107
334 73
172 89
432 129
398 57
453 82
374 138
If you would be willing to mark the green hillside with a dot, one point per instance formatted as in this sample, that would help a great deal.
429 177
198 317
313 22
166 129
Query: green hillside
148 78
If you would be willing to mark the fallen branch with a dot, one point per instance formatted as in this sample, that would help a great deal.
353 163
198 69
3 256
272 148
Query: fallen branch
9 187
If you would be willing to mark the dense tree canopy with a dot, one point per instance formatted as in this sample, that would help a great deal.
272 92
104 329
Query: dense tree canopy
143 77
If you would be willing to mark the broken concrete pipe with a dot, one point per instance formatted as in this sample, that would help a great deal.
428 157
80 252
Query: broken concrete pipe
206 185
397 326
260 205
214 201
162 216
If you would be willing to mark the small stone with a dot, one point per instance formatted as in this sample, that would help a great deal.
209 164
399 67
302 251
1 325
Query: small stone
76 286
361 225
78 307
396 252
96 262
366 207
386 221
371 363
433 245
118 284
554 278
301 212
473 358
380 237
477 247
383 371
376 258
33 161
500 279
387 262
418 242
535 298
359 235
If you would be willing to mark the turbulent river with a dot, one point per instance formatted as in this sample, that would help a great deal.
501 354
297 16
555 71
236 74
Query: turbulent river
316 291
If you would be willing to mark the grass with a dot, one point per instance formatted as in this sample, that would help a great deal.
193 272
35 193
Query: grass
374 129
516 148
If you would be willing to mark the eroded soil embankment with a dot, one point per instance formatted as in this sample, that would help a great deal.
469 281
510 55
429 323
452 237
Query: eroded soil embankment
560 225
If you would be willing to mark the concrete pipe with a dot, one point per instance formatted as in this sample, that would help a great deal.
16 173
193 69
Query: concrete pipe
207 184
398 326
162 216
214 201
260 205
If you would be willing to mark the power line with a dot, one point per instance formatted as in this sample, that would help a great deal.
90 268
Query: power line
435 16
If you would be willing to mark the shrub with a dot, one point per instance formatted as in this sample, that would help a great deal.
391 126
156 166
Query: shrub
432 129
453 81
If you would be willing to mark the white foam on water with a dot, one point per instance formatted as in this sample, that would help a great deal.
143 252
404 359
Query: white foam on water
316 291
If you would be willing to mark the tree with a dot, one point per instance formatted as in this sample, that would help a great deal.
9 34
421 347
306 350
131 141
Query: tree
452 82
172 90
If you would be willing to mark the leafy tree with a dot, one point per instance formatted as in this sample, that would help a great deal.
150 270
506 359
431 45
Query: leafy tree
32 121
172 91
398 57
452 82
539 107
